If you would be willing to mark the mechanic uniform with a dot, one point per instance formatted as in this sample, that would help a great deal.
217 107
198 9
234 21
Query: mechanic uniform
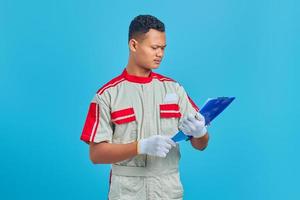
127 109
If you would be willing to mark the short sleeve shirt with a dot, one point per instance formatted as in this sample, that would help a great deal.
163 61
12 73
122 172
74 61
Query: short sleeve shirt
129 108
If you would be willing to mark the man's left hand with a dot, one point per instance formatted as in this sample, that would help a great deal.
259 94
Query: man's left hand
193 125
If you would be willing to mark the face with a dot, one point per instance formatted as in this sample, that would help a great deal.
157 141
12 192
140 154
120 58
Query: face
148 51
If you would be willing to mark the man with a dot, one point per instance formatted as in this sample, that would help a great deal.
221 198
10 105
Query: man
132 118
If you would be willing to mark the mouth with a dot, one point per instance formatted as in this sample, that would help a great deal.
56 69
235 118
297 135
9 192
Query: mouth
157 61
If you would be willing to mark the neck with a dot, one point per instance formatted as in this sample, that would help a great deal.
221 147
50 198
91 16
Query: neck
134 69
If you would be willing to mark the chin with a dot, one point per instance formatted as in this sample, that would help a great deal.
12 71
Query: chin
155 66
151 67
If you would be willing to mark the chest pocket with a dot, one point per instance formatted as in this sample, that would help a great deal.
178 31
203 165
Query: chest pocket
125 125
169 118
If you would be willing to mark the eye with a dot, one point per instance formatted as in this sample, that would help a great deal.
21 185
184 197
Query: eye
154 48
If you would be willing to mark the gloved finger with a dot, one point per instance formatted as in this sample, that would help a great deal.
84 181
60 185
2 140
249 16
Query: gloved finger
192 119
190 116
184 128
189 124
200 117
188 128
196 119
186 121
161 154
170 141
166 145
152 154
201 123
187 133
197 123
163 150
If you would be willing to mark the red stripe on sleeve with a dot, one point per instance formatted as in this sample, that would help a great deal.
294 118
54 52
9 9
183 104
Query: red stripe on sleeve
89 123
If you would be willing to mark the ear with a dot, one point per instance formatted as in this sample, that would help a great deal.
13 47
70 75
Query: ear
132 44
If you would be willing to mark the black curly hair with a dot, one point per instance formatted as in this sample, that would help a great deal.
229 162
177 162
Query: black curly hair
142 23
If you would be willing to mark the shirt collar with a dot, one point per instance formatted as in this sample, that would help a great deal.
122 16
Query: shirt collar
137 79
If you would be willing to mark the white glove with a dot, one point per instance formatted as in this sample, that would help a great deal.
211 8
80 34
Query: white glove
155 145
193 125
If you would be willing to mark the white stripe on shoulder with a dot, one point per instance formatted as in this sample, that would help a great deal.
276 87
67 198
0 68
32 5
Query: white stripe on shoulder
111 85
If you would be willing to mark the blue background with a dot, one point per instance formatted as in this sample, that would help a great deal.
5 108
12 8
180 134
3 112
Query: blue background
54 55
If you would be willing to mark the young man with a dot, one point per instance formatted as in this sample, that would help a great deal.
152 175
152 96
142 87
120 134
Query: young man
132 118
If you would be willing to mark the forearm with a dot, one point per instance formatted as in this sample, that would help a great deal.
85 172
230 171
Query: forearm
111 153
200 143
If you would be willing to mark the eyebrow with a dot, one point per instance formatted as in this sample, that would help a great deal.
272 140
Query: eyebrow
160 45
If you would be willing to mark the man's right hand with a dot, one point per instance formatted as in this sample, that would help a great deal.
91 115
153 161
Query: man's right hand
155 145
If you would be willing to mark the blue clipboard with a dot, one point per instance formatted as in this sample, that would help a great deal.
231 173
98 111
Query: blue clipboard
211 109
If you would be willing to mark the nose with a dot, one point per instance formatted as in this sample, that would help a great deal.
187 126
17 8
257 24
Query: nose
160 53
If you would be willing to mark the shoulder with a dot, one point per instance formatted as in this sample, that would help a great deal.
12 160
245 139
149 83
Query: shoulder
163 78
167 80
111 84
